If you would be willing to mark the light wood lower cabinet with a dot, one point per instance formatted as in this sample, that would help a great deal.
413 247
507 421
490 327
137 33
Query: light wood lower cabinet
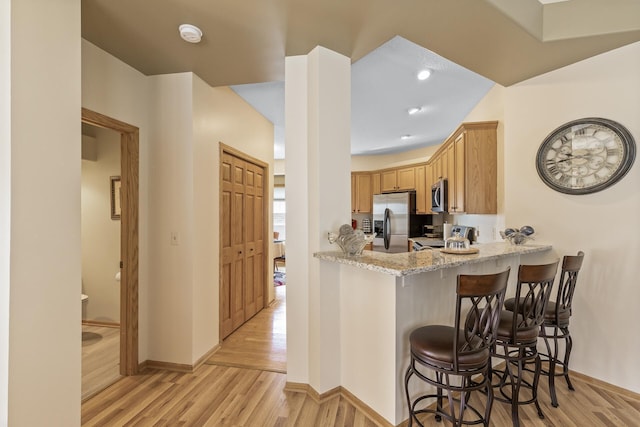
242 238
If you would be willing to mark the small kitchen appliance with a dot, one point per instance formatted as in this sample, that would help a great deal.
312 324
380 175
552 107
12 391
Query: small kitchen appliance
439 196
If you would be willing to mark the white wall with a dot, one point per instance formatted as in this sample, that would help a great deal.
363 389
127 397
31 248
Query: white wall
604 225
112 88
100 234
45 263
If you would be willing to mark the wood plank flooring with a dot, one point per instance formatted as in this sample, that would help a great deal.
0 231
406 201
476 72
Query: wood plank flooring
222 395
100 358
261 343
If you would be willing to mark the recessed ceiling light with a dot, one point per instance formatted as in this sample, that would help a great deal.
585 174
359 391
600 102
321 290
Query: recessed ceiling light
405 137
414 110
424 74
190 33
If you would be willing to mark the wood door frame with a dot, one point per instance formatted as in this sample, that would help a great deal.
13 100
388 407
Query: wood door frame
225 149
129 171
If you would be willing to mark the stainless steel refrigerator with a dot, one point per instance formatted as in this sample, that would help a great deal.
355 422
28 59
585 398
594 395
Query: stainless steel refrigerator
391 214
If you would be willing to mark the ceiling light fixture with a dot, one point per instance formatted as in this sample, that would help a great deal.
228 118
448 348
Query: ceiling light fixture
405 137
414 110
424 74
190 33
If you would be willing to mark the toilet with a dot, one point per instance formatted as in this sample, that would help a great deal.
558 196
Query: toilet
84 298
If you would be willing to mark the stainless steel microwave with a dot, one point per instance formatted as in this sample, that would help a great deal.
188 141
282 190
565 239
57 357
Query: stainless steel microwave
439 196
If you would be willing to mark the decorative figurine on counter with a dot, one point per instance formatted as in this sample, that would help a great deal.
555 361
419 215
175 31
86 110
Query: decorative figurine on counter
517 236
351 241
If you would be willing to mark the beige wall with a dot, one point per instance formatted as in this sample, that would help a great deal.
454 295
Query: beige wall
5 202
604 225
100 233
112 88
45 267
181 120
381 161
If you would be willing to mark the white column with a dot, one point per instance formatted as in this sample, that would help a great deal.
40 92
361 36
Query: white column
44 345
318 163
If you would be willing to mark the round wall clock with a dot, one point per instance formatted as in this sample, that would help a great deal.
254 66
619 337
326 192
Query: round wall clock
585 156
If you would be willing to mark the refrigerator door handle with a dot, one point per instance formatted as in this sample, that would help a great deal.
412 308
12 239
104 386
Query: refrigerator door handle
386 228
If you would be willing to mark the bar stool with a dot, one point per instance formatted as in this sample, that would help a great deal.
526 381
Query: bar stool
518 335
462 351
557 317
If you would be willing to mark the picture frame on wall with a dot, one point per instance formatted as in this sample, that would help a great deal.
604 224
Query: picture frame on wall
115 197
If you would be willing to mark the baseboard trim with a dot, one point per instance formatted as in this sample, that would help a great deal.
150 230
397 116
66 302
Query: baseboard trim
167 366
364 408
610 387
338 392
101 323
177 367
206 356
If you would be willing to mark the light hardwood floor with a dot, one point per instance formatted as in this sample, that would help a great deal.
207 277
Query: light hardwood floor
222 395
100 358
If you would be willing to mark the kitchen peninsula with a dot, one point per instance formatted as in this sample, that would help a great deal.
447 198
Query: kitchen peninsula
383 297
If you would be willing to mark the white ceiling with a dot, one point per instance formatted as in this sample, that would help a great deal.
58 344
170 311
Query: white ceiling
383 87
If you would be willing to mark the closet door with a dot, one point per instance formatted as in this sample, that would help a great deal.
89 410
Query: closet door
253 219
233 244
242 242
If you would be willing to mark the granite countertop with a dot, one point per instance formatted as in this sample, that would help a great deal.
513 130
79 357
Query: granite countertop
407 263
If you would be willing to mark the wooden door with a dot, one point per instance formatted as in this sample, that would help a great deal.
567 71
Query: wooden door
242 242
233 244
254 232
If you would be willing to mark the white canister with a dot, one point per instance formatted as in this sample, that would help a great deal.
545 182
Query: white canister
446 230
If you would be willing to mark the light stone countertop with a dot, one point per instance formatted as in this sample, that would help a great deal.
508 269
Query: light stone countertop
408 263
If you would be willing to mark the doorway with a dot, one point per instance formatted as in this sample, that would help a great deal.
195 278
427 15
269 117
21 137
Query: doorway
100 232
243 238
129 155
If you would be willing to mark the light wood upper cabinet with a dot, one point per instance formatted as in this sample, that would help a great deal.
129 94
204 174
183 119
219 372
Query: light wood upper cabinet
421 190
468 160
375 183
399 179
457 198
361 193
428 173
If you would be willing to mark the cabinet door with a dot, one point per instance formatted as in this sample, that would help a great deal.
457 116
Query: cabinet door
406 179
375 183
354 201
428 173
459 190
451 177
436 170
388 181
364 199
421 190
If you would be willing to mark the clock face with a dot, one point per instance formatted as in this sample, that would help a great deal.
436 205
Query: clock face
585 156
